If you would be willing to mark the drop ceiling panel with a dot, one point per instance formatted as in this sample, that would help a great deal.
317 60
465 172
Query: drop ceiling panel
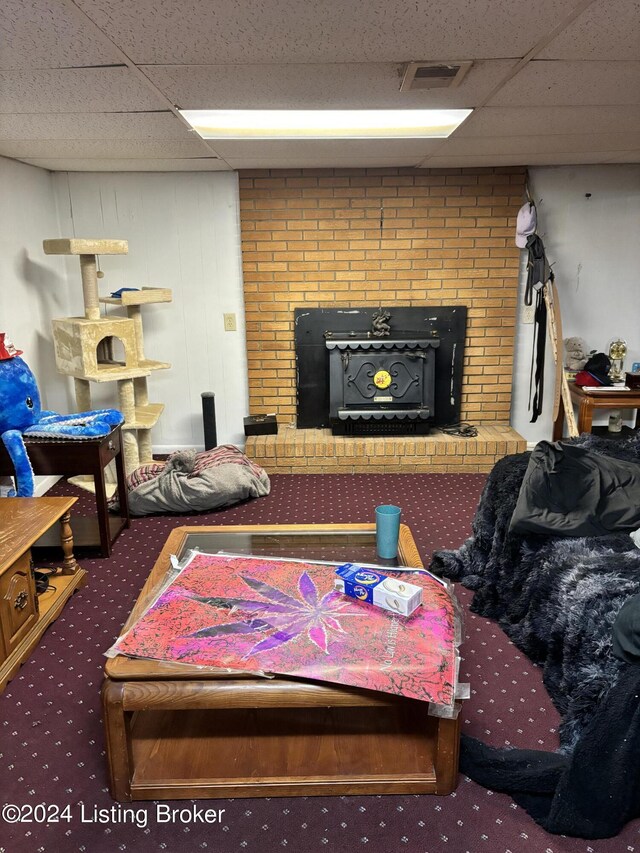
608 29
69 90
540 144
240 148
199 164
41 126
201 32
315 86
567 158
102 148
525 121
50 34
572 84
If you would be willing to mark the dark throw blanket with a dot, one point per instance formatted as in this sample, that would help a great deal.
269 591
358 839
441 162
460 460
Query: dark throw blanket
557 598
591 793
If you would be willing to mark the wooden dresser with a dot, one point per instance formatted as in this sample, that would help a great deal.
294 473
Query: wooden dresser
25 616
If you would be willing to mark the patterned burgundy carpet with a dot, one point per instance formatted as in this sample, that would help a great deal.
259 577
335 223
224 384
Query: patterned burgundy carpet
51 749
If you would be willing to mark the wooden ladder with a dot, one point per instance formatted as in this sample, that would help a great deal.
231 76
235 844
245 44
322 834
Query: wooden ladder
562 394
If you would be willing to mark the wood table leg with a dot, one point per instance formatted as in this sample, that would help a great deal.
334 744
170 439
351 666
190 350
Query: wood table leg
447 750
118 740
69 565
103 511
123 501
585 416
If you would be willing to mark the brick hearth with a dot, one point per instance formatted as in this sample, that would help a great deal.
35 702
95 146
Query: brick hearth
317 451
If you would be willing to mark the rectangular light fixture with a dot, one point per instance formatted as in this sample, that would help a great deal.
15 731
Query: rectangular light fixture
324 124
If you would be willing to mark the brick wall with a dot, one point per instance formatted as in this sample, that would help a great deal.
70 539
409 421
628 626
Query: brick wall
312 237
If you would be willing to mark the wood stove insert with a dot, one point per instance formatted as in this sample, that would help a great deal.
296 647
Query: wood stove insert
381 385
435 400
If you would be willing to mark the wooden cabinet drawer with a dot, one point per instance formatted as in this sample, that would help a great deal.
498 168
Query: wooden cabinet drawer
18 603
109 448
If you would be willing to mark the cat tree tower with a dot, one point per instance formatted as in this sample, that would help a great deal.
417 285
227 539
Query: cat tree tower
85 347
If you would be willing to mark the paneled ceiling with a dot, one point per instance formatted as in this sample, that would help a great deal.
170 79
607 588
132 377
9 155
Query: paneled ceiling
94 85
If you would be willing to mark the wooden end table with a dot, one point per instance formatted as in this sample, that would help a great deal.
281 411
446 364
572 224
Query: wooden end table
175 731
25 616
69 457
587 402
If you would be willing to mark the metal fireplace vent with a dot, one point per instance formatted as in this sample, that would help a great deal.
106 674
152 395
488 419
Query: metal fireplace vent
381 386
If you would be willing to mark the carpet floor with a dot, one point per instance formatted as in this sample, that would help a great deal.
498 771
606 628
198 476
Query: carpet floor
52 745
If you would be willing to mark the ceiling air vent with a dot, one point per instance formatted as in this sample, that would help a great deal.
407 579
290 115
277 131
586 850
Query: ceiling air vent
433 75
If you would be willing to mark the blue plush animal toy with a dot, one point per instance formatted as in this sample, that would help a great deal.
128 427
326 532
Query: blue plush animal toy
21 414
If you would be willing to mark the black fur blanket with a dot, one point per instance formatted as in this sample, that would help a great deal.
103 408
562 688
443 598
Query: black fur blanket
591 793
557 599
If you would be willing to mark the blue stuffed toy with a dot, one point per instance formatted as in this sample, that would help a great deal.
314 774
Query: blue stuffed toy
21 414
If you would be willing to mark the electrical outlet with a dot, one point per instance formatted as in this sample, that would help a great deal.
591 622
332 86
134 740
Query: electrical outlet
230 323
529 314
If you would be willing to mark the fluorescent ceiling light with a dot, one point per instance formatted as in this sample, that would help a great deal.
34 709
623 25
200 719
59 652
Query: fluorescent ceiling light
324 124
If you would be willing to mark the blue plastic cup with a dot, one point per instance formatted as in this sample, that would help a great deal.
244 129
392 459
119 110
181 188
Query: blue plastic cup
387 531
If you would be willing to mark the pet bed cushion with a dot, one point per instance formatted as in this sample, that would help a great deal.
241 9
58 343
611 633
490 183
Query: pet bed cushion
195 482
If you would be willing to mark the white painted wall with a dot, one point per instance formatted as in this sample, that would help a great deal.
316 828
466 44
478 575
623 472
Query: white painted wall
594 246
184 233
32 285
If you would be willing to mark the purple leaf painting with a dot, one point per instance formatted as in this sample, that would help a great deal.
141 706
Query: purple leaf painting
289 617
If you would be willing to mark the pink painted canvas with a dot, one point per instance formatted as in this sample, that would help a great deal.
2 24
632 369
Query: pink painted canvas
285 617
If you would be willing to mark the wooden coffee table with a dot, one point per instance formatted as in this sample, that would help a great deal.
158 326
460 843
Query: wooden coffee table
175 731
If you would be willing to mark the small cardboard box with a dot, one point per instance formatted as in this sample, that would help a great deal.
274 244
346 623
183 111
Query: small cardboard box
373 587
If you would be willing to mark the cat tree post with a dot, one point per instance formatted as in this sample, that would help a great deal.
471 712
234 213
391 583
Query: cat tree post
141 397
83 394
88 271
128 409
144 446
140 391
135 313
